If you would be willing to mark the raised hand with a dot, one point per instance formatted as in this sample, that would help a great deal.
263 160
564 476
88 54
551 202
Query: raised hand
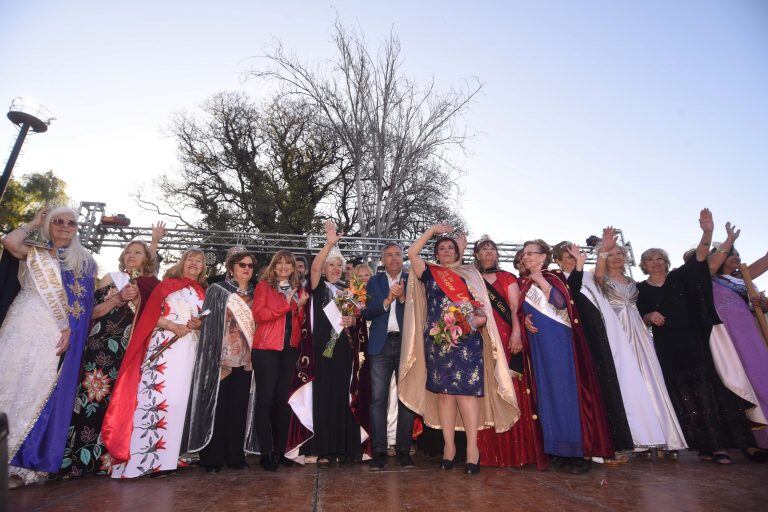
580 257
706 222
733 233
538 278
442 228
609 239
331 235
39 217
461 240
158 231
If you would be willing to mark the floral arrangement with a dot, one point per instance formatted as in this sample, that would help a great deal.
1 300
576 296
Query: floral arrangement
454 324
351 302
357 289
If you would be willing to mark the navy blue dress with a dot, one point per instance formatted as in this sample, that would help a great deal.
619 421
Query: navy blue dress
554 371
452 370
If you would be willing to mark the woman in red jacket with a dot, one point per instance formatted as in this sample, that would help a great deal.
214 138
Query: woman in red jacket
278 302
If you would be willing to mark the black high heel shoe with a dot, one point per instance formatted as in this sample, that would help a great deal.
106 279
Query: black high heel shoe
472 469
446 464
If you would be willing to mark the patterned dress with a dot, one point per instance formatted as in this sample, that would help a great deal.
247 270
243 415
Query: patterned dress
450 370
163 394
104 350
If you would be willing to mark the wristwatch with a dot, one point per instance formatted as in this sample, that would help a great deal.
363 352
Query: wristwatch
603 255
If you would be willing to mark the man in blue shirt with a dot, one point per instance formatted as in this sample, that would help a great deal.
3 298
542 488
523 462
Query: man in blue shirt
386 298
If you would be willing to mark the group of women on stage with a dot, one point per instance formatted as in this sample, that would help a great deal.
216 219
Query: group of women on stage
129 375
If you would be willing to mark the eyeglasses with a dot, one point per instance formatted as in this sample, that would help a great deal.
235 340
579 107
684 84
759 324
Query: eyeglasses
244 265
531 252
62 222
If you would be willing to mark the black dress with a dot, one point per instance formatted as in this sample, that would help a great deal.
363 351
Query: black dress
597 339
336 431
711 416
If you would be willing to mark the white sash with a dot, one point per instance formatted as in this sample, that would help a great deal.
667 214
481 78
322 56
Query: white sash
536 298
242 314
46 274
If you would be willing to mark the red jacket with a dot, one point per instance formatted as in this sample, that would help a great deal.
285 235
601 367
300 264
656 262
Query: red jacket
269 311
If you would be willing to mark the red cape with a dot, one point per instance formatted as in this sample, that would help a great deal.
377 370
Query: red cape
118 420
595 434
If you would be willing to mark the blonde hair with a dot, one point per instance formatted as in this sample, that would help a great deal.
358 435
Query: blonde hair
76 257
269 274
148 267
177 271
362 266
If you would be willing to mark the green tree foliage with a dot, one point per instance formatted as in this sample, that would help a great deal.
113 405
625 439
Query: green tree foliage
25 196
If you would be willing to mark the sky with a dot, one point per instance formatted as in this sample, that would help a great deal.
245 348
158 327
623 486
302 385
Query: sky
633 114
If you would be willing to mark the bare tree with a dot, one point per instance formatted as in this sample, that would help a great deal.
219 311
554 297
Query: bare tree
395 132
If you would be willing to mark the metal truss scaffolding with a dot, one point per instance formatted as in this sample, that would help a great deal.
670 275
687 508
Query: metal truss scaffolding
95 236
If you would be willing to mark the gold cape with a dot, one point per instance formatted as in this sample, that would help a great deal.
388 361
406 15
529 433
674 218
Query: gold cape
498 405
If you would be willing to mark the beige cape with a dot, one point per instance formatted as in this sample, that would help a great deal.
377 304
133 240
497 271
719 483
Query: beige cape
498 406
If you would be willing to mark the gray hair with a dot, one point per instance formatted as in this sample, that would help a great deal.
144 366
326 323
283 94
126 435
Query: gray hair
76 258
388 245
650 252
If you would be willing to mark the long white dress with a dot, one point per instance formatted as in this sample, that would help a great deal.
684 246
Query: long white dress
32 356
623 300
158 421
644 423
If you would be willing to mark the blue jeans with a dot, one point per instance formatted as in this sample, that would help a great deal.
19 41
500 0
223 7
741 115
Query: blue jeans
382 366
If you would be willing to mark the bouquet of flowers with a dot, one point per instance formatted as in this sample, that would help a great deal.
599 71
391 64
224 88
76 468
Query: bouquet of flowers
454 324
351 302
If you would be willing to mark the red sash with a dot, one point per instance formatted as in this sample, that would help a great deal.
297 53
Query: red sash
451 284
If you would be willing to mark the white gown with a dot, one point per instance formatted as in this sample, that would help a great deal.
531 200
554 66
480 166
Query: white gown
623 300
34 358
163 394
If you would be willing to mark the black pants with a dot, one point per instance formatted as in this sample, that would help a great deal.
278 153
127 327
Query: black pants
382 366
226 446
274 371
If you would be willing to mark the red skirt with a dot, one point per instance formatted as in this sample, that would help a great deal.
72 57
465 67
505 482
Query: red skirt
519 446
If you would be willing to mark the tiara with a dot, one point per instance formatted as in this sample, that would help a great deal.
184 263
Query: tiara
335 253
236 249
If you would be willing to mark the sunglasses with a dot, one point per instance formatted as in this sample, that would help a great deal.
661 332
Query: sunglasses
531 252
244 265
62 222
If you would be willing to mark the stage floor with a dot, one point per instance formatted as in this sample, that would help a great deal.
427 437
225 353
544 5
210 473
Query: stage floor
686 485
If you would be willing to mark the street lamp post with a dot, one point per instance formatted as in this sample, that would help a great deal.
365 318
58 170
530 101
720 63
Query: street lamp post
27 116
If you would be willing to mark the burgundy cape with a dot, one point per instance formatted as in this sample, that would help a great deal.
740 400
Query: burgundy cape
595 434
118 420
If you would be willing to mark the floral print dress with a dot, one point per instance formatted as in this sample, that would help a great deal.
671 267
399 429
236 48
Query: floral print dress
163 393
450 370
104 351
